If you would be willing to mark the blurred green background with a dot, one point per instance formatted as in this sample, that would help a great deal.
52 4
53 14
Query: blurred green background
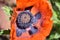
55 33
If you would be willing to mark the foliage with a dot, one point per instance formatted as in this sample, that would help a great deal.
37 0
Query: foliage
1 32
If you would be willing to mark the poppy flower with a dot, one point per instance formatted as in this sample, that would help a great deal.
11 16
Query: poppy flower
31 20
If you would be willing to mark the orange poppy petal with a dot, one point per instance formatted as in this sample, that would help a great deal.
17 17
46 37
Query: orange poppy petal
44 25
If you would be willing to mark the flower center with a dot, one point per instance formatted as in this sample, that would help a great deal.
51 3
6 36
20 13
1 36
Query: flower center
25 18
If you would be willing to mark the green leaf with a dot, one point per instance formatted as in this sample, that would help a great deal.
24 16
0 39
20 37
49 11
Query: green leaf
7 10
57 4
1 32
57 36
54 17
